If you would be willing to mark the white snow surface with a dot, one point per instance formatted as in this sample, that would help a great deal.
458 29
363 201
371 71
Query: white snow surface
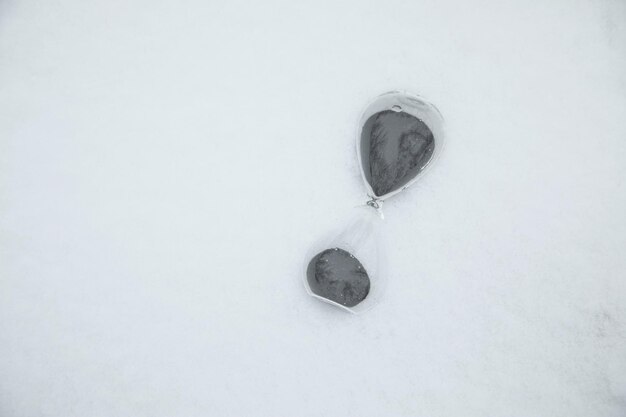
164 166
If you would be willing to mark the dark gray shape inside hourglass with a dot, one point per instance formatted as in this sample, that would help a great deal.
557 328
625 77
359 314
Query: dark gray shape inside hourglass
395 147
337 275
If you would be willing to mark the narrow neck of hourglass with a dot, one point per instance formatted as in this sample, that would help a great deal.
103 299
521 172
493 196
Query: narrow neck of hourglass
376 204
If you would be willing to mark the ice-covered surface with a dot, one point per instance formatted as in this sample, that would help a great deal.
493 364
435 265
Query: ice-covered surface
164 167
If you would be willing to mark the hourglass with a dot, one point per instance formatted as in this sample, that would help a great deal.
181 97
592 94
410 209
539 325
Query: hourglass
399 136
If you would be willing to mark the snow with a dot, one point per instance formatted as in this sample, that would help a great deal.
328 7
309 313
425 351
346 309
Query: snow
164 167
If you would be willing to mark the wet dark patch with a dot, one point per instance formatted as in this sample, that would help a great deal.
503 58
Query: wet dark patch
338 276
395 147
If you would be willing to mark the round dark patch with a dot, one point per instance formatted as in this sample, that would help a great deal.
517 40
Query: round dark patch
395 147
338 276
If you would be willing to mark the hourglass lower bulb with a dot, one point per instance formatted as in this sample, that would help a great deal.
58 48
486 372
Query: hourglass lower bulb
346 268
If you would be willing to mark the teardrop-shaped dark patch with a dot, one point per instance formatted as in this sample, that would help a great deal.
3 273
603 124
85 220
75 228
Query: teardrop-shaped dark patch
395 147
337 275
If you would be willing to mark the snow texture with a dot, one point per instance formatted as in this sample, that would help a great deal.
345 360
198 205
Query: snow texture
165 166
